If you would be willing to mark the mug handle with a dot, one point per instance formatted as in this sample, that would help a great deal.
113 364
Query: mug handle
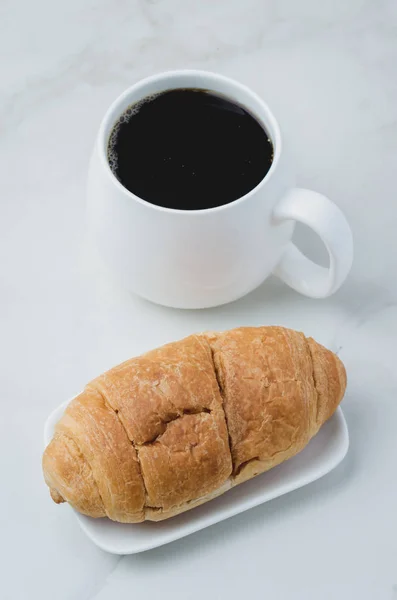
327 220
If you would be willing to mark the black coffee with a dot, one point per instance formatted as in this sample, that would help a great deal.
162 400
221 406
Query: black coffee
189 149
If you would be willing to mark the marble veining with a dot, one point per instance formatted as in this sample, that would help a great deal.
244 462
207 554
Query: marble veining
328 71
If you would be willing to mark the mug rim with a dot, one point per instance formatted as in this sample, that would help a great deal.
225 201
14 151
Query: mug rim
108 119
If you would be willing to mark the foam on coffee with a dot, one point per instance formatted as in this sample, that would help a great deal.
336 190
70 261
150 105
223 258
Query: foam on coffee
132 110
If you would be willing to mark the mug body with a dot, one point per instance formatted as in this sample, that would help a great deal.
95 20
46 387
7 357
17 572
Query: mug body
188 259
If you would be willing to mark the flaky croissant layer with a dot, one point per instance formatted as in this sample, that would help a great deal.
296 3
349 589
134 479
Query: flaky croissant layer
178 426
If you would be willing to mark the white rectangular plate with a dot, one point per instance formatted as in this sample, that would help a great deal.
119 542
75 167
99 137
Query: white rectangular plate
323 453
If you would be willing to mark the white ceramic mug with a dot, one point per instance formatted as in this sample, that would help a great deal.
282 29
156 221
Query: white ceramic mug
203 258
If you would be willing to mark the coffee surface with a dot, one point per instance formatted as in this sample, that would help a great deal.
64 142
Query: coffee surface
189 150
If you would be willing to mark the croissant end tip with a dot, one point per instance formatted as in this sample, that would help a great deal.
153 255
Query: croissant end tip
56 496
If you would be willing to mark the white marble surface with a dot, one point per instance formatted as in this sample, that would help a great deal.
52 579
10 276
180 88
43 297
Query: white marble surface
328 70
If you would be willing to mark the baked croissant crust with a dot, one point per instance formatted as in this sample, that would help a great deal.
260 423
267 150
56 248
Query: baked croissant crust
182 424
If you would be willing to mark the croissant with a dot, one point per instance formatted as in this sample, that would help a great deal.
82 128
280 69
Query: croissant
178 426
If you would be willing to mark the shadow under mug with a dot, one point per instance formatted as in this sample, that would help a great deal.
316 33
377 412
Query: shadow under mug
204 258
